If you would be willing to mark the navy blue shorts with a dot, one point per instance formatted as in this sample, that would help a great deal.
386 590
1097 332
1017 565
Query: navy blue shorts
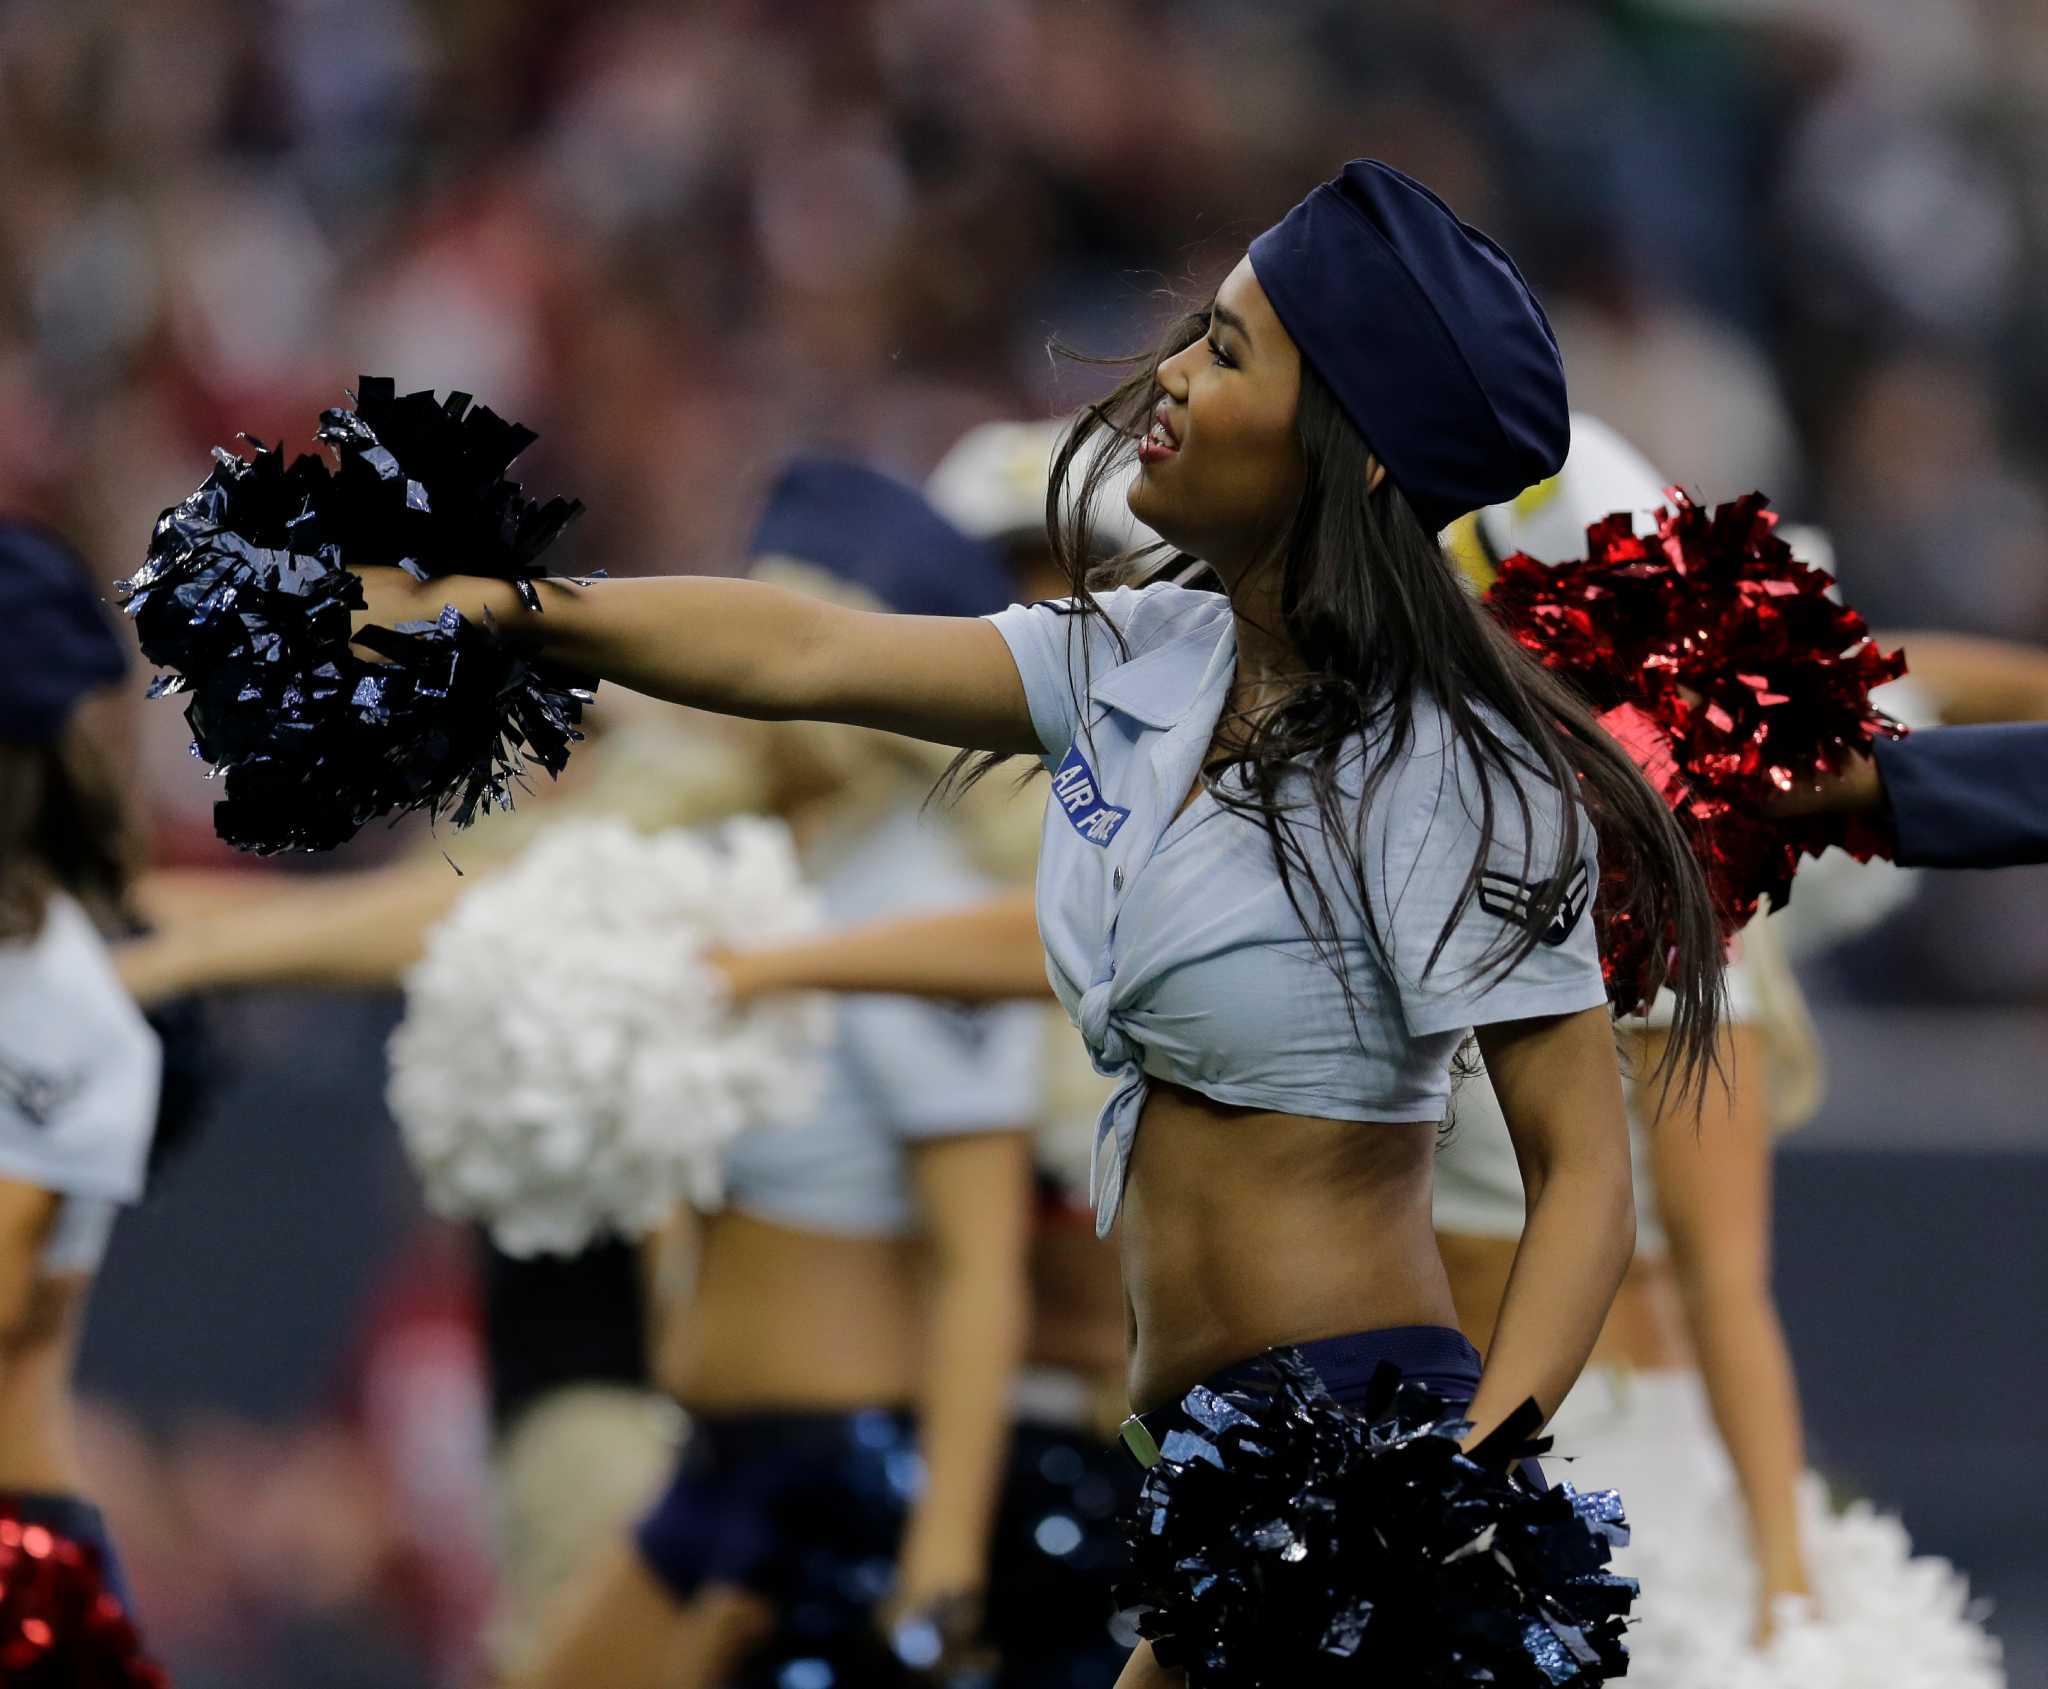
794 1507
1055 1559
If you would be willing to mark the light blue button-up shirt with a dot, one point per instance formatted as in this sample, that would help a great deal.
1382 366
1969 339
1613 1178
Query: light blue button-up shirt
902 1071
1171 939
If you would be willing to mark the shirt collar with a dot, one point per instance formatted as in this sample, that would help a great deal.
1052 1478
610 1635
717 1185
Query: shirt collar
1160 687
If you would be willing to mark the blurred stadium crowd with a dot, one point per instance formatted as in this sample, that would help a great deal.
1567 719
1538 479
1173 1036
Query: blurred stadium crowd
1788 244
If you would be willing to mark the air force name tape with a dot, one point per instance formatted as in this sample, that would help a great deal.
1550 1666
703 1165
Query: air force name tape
1077 792
1515 900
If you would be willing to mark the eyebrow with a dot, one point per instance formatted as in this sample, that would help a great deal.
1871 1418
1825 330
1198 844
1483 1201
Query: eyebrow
1220 313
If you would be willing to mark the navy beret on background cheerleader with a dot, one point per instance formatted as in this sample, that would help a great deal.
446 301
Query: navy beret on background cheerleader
1352 707
80 1071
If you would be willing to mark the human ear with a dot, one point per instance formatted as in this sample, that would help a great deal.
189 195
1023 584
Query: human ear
1375 473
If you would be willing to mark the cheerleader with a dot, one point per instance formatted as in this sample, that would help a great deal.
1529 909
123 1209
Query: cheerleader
1305 834
582 1439
79 1066
1689 1404
859 1300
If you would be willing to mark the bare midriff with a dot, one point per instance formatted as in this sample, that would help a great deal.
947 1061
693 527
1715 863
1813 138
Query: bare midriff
1645 1328
784 1320
36 1449
1243 1229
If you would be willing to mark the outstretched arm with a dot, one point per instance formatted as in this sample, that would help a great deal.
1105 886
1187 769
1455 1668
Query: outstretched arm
1973 680
1713 1181
1559 1086
1952 797
746 648
986 953
362 931
352 932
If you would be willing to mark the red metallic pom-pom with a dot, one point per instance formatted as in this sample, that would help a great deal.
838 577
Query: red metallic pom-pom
1725 669
59 1623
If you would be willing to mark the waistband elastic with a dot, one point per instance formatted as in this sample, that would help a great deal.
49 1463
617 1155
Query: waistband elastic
1438 1357
742 1436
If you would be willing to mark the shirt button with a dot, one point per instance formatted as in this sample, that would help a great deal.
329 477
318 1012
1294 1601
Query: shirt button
1116 880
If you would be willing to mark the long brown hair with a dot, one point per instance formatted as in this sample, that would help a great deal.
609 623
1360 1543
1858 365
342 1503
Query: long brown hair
65 824
1380 618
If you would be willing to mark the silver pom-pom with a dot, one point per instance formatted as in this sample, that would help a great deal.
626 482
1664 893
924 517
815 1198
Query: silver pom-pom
568 1066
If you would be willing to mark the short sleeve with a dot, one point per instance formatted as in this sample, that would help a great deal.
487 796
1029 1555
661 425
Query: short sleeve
938 1070
1058 650
1422 837
79 1067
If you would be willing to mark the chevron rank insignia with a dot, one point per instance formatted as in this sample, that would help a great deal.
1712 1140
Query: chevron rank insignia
1515 900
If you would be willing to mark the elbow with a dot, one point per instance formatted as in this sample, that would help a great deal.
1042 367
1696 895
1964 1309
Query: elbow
1622 1201
1607 1197
1711 1279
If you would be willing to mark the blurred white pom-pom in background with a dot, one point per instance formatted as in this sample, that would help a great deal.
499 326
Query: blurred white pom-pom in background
568 1065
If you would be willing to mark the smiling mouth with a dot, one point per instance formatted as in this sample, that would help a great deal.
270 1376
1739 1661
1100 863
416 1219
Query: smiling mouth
1158 444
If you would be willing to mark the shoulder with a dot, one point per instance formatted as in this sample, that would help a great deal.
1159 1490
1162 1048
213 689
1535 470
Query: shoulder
1143 615
910 858
1429 747
67 971
79 1066
1154 615
1440 791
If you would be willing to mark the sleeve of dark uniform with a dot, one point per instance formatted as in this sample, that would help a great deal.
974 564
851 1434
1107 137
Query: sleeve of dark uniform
1968 797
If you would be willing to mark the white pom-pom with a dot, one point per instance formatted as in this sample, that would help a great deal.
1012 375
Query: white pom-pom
1880 1615
567 1065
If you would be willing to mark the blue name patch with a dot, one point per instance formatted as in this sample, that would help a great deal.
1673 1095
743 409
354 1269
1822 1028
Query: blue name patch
1076 790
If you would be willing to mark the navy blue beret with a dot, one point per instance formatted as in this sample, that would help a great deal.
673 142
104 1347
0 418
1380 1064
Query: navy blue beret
879 533
1427 334
57 642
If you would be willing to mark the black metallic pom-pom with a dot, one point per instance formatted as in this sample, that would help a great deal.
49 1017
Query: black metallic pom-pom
1283 1539
245 600
422 485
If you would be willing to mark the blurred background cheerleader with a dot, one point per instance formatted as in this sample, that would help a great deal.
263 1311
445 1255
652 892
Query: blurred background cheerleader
858 1305
580 1436
1750 1574
80 1069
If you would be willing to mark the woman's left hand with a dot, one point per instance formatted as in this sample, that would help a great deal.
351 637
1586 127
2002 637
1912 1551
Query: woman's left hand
1773 1600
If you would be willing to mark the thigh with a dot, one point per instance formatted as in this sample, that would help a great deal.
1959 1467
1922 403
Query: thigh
626 1630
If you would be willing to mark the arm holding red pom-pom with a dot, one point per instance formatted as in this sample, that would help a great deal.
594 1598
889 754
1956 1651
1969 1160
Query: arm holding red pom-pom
1948 797
1732 676
1855 788
1973 681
